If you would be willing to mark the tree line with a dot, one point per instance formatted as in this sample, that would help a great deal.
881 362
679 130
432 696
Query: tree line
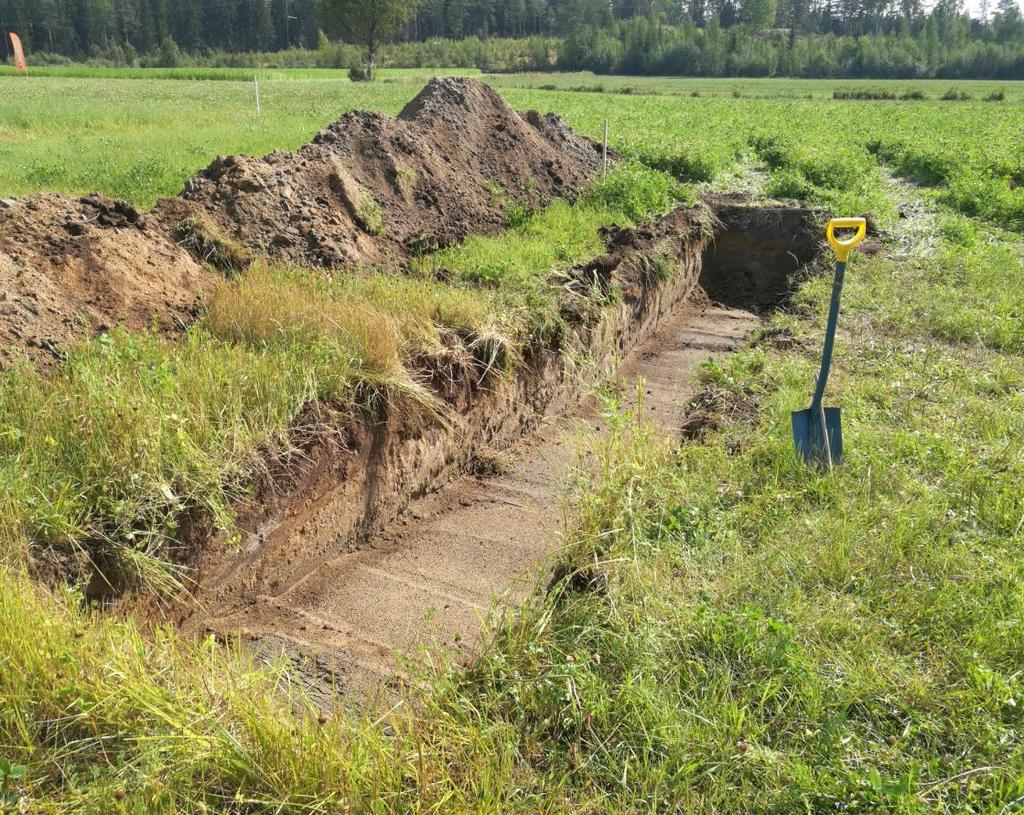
82 28
820 38
829 38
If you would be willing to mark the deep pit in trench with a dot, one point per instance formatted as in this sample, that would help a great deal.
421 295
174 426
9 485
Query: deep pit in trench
758 254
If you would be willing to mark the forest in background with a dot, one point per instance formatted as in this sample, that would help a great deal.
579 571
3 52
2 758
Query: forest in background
805 38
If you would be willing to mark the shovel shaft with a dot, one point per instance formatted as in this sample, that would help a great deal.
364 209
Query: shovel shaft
830 337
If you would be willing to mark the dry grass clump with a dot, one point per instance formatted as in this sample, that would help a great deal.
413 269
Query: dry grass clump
269 306
490 463
203 240
380 322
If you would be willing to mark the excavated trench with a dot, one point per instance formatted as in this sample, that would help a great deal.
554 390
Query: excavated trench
389 536
390 530
374 537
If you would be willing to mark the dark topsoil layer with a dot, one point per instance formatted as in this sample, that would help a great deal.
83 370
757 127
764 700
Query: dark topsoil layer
367 189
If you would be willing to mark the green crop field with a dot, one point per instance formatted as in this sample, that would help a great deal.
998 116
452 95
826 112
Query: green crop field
767 638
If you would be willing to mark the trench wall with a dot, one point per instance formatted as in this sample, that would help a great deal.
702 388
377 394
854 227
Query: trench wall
352 484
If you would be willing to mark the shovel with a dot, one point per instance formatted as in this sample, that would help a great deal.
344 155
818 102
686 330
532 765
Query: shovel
818 431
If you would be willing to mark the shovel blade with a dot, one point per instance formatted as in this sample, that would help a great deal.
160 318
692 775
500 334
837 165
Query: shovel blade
809 439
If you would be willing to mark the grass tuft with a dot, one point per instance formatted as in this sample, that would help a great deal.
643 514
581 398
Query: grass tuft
204 242
270 307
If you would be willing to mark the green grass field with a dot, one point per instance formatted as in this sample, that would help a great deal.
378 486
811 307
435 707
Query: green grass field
768 639
141 139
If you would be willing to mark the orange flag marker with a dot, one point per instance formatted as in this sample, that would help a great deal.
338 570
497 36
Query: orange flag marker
19 53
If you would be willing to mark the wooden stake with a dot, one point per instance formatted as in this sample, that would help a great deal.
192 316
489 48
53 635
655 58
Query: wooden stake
604 150
256 82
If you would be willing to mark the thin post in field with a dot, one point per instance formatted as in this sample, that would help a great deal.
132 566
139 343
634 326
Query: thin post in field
256 82
604 150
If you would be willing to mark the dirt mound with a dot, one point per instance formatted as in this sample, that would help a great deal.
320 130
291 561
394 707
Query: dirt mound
368 189
372 188
74 266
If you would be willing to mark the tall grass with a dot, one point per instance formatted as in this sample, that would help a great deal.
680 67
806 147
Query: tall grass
112 720
133 429
270 308
382 318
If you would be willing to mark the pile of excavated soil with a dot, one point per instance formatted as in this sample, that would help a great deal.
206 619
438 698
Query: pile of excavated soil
70 267
371 188
368 189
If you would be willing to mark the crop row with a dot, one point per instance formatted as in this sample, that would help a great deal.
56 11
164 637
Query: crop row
824 151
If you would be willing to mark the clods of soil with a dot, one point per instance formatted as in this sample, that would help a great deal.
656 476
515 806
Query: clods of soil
70 267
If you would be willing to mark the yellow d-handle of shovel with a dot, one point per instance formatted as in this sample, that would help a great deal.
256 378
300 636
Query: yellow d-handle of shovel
843 248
